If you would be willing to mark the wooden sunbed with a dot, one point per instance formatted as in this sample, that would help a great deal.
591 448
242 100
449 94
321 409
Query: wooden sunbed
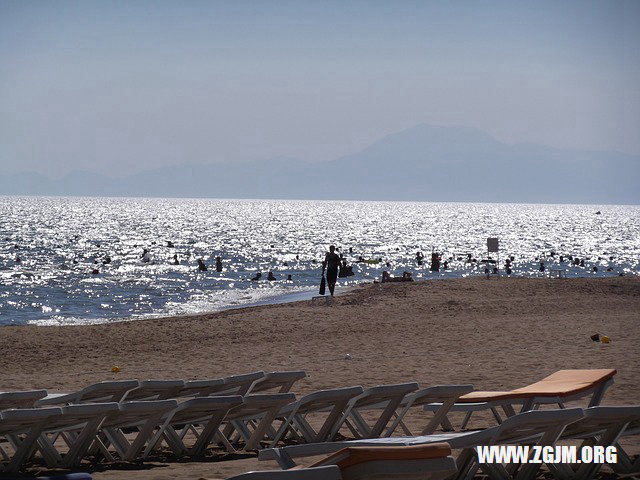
558 388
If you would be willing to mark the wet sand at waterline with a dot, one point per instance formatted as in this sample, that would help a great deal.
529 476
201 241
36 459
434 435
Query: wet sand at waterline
497 333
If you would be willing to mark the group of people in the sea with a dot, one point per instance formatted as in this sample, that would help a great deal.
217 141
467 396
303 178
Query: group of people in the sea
335 264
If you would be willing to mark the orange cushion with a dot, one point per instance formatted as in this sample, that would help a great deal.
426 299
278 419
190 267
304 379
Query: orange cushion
350 456
562 383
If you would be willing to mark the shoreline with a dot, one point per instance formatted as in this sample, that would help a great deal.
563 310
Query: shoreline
281 299
300 296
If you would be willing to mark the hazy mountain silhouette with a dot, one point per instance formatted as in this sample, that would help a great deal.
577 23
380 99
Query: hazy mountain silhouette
426 163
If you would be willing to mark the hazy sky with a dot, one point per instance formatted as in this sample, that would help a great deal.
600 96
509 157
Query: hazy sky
122 86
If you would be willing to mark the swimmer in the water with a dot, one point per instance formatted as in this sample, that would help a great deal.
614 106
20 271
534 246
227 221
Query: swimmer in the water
271 277
218 264
257 277
201 266
175 259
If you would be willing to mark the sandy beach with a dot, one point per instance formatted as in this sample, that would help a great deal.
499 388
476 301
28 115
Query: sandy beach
497 333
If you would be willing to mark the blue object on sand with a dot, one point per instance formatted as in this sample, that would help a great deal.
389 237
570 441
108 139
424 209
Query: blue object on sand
68 476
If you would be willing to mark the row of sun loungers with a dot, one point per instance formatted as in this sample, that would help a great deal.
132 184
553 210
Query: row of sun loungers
127 420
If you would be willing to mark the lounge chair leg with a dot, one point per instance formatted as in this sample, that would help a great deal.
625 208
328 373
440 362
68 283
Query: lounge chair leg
220 438
25 449
497 415
253 442
362 428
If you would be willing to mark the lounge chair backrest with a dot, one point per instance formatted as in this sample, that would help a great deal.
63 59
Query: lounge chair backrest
154 390
255 404
135 412
280 381
326 398
598 419
199 388
20 420
533 423
108 391
22 399
194 409
439 393
234 385
80 413
382 393
240 384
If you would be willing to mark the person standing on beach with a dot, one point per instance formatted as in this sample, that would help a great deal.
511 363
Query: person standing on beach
331 263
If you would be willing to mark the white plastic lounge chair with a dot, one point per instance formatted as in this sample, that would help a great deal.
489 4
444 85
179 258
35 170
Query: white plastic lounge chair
601 426
143 416
154 390
22 428
558 388
77 425
253 419
108 391
209 412
280 381
539 427
383 397
333 402
21 399
444 395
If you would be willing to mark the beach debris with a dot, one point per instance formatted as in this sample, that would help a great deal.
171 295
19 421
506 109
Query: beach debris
605 339
115 369
595 337
347 356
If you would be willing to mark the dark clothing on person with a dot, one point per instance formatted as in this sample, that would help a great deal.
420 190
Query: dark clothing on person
332 277
332 262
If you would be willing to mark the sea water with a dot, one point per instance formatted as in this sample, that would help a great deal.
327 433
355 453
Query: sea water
61 241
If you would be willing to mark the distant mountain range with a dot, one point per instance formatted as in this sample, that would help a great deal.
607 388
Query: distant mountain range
423 163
